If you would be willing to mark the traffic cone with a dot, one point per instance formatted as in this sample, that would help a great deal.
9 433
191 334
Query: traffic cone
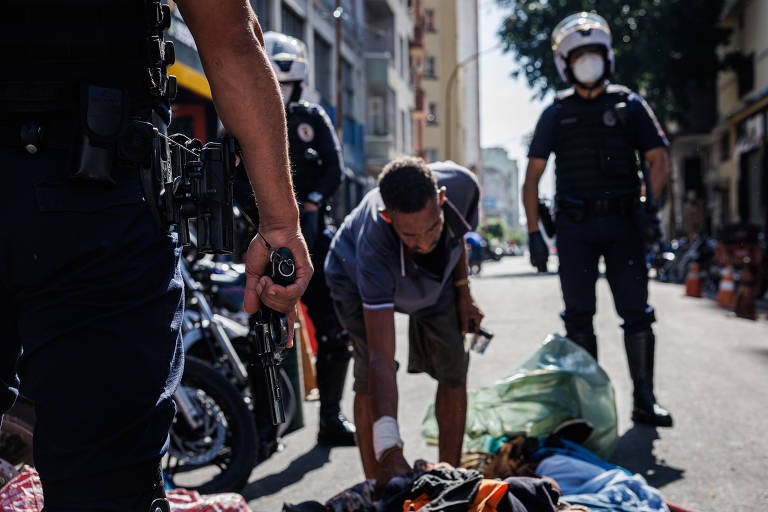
726 291
745 299
693 281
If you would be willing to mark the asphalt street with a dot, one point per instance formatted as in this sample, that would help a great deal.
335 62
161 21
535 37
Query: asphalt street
711 372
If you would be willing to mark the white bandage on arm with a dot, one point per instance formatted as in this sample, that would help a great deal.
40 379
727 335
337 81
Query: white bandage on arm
385 435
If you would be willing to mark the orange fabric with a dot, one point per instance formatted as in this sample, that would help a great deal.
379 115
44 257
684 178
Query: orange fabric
413 506
489 495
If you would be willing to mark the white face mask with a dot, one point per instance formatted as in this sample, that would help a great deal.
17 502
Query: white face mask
589 68
286 90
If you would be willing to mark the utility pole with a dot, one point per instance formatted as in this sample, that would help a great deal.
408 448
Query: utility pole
338 13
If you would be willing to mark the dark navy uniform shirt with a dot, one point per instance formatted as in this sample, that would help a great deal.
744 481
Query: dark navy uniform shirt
647 132
315 152
368 262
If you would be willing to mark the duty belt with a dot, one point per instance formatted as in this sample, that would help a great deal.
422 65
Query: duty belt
581 208
34 136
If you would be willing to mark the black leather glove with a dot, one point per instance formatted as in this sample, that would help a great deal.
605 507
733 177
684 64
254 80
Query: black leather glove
539 251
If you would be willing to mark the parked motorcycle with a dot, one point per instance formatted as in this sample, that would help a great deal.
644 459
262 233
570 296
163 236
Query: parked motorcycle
216 331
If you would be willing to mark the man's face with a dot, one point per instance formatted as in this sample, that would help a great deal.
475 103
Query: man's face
420 231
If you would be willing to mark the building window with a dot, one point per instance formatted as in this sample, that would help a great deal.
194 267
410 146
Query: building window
432 114
323 73
293 24
725 146
377 119
263 10
429 20
429 68
348 89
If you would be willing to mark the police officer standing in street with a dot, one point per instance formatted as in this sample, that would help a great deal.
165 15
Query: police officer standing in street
90 287
597 130
317 164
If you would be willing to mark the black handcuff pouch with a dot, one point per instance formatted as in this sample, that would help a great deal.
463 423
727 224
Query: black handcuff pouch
103 114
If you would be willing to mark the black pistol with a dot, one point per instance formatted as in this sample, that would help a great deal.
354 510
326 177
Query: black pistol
269 332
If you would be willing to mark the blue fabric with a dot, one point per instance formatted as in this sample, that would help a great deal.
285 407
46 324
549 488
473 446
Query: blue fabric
587 484
554 445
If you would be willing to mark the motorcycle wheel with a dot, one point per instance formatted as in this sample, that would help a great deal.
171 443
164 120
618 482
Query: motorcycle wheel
219 455
16 433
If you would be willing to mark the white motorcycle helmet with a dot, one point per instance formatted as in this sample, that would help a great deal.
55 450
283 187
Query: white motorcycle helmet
288 56
576 31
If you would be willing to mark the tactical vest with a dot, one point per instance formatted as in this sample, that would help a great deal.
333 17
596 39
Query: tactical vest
594 156
303 144
50 47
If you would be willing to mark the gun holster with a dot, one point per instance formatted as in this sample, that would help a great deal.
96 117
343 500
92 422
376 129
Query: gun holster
648 222
546 219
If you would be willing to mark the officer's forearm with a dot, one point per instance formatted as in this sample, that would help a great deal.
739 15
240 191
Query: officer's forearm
533 173
658 169
531 203
247 99
382 382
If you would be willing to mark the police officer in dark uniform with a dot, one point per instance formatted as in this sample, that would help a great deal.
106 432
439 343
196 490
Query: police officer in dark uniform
317 165
90 288
596 131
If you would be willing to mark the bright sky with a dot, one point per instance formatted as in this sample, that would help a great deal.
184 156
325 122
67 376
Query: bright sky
508 111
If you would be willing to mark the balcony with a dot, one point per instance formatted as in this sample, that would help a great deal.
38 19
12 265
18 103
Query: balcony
379 69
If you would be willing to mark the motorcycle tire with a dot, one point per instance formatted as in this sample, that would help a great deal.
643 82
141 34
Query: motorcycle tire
17 432
228 421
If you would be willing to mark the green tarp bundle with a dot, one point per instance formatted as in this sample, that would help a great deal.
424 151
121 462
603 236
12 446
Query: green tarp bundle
561 381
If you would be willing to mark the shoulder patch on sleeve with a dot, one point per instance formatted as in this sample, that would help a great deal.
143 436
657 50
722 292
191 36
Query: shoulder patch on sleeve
300 107
618 89
565 93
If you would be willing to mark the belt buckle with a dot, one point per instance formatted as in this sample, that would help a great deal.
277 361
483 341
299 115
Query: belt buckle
31 135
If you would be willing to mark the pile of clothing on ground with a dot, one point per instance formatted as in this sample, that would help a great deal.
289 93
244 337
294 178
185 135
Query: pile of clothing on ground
23 492
441 488
582 477
525 475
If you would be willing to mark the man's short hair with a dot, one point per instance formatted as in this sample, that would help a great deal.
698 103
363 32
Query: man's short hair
406 185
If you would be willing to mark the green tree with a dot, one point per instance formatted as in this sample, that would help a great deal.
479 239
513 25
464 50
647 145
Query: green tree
495 229
665 49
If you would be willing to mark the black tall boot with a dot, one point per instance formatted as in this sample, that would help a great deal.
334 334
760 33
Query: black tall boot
640 353
332 362
587 341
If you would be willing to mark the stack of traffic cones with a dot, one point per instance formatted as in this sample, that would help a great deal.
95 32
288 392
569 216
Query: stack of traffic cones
745 298
726 291
693 281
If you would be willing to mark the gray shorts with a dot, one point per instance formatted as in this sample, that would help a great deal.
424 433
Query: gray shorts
435 345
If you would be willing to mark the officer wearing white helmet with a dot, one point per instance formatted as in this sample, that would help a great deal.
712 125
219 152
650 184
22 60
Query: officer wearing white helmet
317 166
599 132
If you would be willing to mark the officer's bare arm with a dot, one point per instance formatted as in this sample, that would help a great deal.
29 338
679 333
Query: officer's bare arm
658 168
244 87
536 167
248 100
382 383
